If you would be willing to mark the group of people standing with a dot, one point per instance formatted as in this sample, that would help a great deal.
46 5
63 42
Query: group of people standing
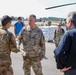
34 46
46 24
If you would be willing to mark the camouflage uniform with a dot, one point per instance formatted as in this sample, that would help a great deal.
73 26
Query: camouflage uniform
7 44
34 46
57 36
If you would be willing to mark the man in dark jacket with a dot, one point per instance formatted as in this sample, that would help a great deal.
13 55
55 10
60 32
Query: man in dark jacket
65 53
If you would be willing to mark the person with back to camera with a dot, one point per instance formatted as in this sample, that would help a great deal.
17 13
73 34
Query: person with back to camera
7 45
65 53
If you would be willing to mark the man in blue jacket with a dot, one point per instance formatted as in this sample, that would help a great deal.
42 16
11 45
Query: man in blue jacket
65 53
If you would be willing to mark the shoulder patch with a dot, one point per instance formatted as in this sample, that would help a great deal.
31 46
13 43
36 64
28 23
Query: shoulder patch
13 38
2 31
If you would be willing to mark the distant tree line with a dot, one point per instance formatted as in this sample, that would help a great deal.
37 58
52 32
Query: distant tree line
41 19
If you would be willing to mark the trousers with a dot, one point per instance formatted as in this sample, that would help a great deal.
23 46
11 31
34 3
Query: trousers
33 62
6 70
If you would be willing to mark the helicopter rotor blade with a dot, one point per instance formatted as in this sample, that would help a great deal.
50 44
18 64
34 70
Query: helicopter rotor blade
60 6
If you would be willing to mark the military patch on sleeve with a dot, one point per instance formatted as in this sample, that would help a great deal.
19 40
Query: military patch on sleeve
13 38
2 31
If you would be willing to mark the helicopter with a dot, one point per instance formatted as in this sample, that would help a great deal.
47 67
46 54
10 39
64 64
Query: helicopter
48 31
62 21
59 6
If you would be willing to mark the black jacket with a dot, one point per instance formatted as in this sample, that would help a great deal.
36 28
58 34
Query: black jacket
65 53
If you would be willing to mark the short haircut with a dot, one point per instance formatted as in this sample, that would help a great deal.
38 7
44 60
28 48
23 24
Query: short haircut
19 18
33 16
5 19
72 17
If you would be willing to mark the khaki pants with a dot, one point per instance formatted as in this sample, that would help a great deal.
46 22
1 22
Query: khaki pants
6 70
35 63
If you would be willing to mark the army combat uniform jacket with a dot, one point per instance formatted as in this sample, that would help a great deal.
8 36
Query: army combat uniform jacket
7 44
33 42
57 36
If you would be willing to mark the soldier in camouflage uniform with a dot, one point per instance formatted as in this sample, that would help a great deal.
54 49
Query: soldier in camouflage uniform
58 34
7 44
34 47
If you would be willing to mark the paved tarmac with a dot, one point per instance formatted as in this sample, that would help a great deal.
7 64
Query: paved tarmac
48 64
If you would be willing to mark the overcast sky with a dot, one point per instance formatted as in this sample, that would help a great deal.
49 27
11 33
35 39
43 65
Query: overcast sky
26 7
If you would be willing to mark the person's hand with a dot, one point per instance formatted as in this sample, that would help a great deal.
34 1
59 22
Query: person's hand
23 53
18 47
41 57
53 41
65 69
